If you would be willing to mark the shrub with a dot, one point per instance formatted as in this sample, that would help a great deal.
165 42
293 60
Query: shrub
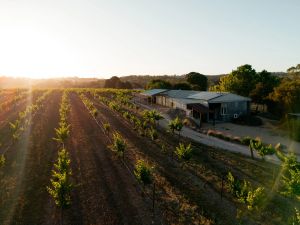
237 139
261 149
248 120
246 140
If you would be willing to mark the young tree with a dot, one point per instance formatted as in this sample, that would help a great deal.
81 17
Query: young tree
172 126
143 172
184 152
243 191
290 174
152 133
62 133
106 127
175 124
2 160
119 144
151 116
295 220
61 187
291 183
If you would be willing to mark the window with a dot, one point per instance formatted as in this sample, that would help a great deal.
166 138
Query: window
223 109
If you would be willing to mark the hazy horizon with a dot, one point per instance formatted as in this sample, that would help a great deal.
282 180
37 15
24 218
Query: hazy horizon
101 39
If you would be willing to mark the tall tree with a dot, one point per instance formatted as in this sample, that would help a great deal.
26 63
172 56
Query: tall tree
287 95
197 80
294 69
245 77
182 86
115 82
240 81
159 84
265 83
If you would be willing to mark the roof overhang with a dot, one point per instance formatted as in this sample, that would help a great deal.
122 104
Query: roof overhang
198 107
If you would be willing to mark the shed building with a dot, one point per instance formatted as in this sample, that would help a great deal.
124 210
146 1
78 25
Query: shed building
202 105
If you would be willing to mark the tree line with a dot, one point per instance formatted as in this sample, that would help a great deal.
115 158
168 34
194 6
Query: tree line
281 94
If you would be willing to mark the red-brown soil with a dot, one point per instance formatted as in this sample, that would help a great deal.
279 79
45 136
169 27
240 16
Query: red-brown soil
106 192
27 169
12 112
186 183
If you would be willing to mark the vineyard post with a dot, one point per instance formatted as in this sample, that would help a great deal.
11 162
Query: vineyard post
222 187
61 216
251 150
153 198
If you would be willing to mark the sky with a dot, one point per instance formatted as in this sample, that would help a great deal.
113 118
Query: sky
95 38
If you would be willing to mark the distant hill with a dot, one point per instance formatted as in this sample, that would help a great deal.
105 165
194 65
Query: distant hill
70 82
142 80
137 81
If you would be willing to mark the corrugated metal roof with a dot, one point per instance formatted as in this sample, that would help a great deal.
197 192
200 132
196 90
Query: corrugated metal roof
229 97
205 95
153 92
180 93
187 96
